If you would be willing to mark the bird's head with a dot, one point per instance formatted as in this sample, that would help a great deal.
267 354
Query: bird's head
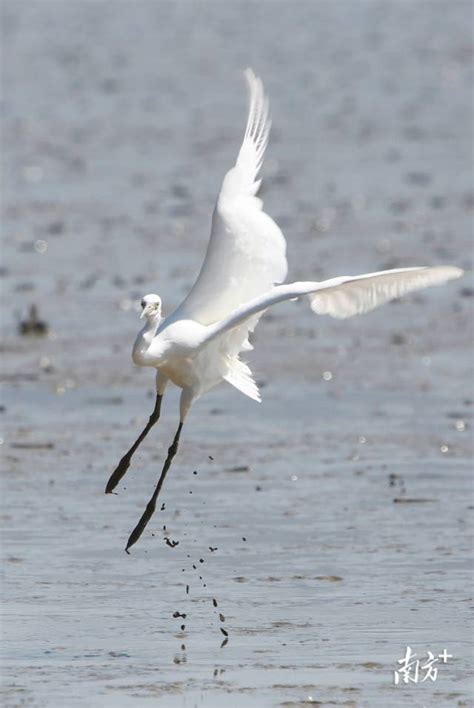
151 307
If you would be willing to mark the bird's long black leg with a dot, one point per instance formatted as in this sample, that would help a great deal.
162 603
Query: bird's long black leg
150 507
124 463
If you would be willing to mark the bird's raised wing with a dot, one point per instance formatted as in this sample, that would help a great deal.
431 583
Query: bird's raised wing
342 297
246 254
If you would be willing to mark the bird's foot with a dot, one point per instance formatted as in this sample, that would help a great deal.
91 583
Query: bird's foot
140 527
117 474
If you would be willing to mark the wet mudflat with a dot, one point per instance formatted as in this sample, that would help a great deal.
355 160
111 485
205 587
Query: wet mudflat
299 545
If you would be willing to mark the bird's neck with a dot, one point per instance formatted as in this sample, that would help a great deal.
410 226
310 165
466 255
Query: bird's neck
142 343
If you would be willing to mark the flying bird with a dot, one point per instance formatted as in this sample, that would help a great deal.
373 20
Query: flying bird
199 345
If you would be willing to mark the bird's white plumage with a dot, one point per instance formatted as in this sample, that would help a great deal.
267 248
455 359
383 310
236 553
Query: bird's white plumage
246 254
354 295
341 297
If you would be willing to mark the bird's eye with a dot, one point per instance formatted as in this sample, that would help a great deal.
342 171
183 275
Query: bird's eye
142 303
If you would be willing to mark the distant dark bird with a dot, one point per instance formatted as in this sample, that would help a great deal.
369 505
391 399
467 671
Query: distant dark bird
32 325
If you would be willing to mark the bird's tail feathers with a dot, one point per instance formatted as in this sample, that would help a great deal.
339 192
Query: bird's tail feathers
240 376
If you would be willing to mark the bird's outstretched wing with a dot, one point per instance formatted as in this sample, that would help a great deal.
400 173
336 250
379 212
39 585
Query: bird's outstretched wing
342 297
347 296
246 254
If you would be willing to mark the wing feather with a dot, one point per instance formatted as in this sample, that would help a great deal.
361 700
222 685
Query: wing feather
242 179
347 296
340 297
246 254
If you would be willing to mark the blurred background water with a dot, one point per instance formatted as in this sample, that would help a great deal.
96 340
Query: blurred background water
119 121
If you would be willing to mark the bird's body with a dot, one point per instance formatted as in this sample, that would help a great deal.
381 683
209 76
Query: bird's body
199 345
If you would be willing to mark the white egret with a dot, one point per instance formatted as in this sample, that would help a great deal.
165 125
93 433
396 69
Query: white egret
198 345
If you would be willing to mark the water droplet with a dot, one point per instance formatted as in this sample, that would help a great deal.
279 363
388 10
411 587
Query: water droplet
444 448
358 202
460 425
126 305
179 227
325 219
294 477
33 173
327 375
362 439
383 245
41 246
